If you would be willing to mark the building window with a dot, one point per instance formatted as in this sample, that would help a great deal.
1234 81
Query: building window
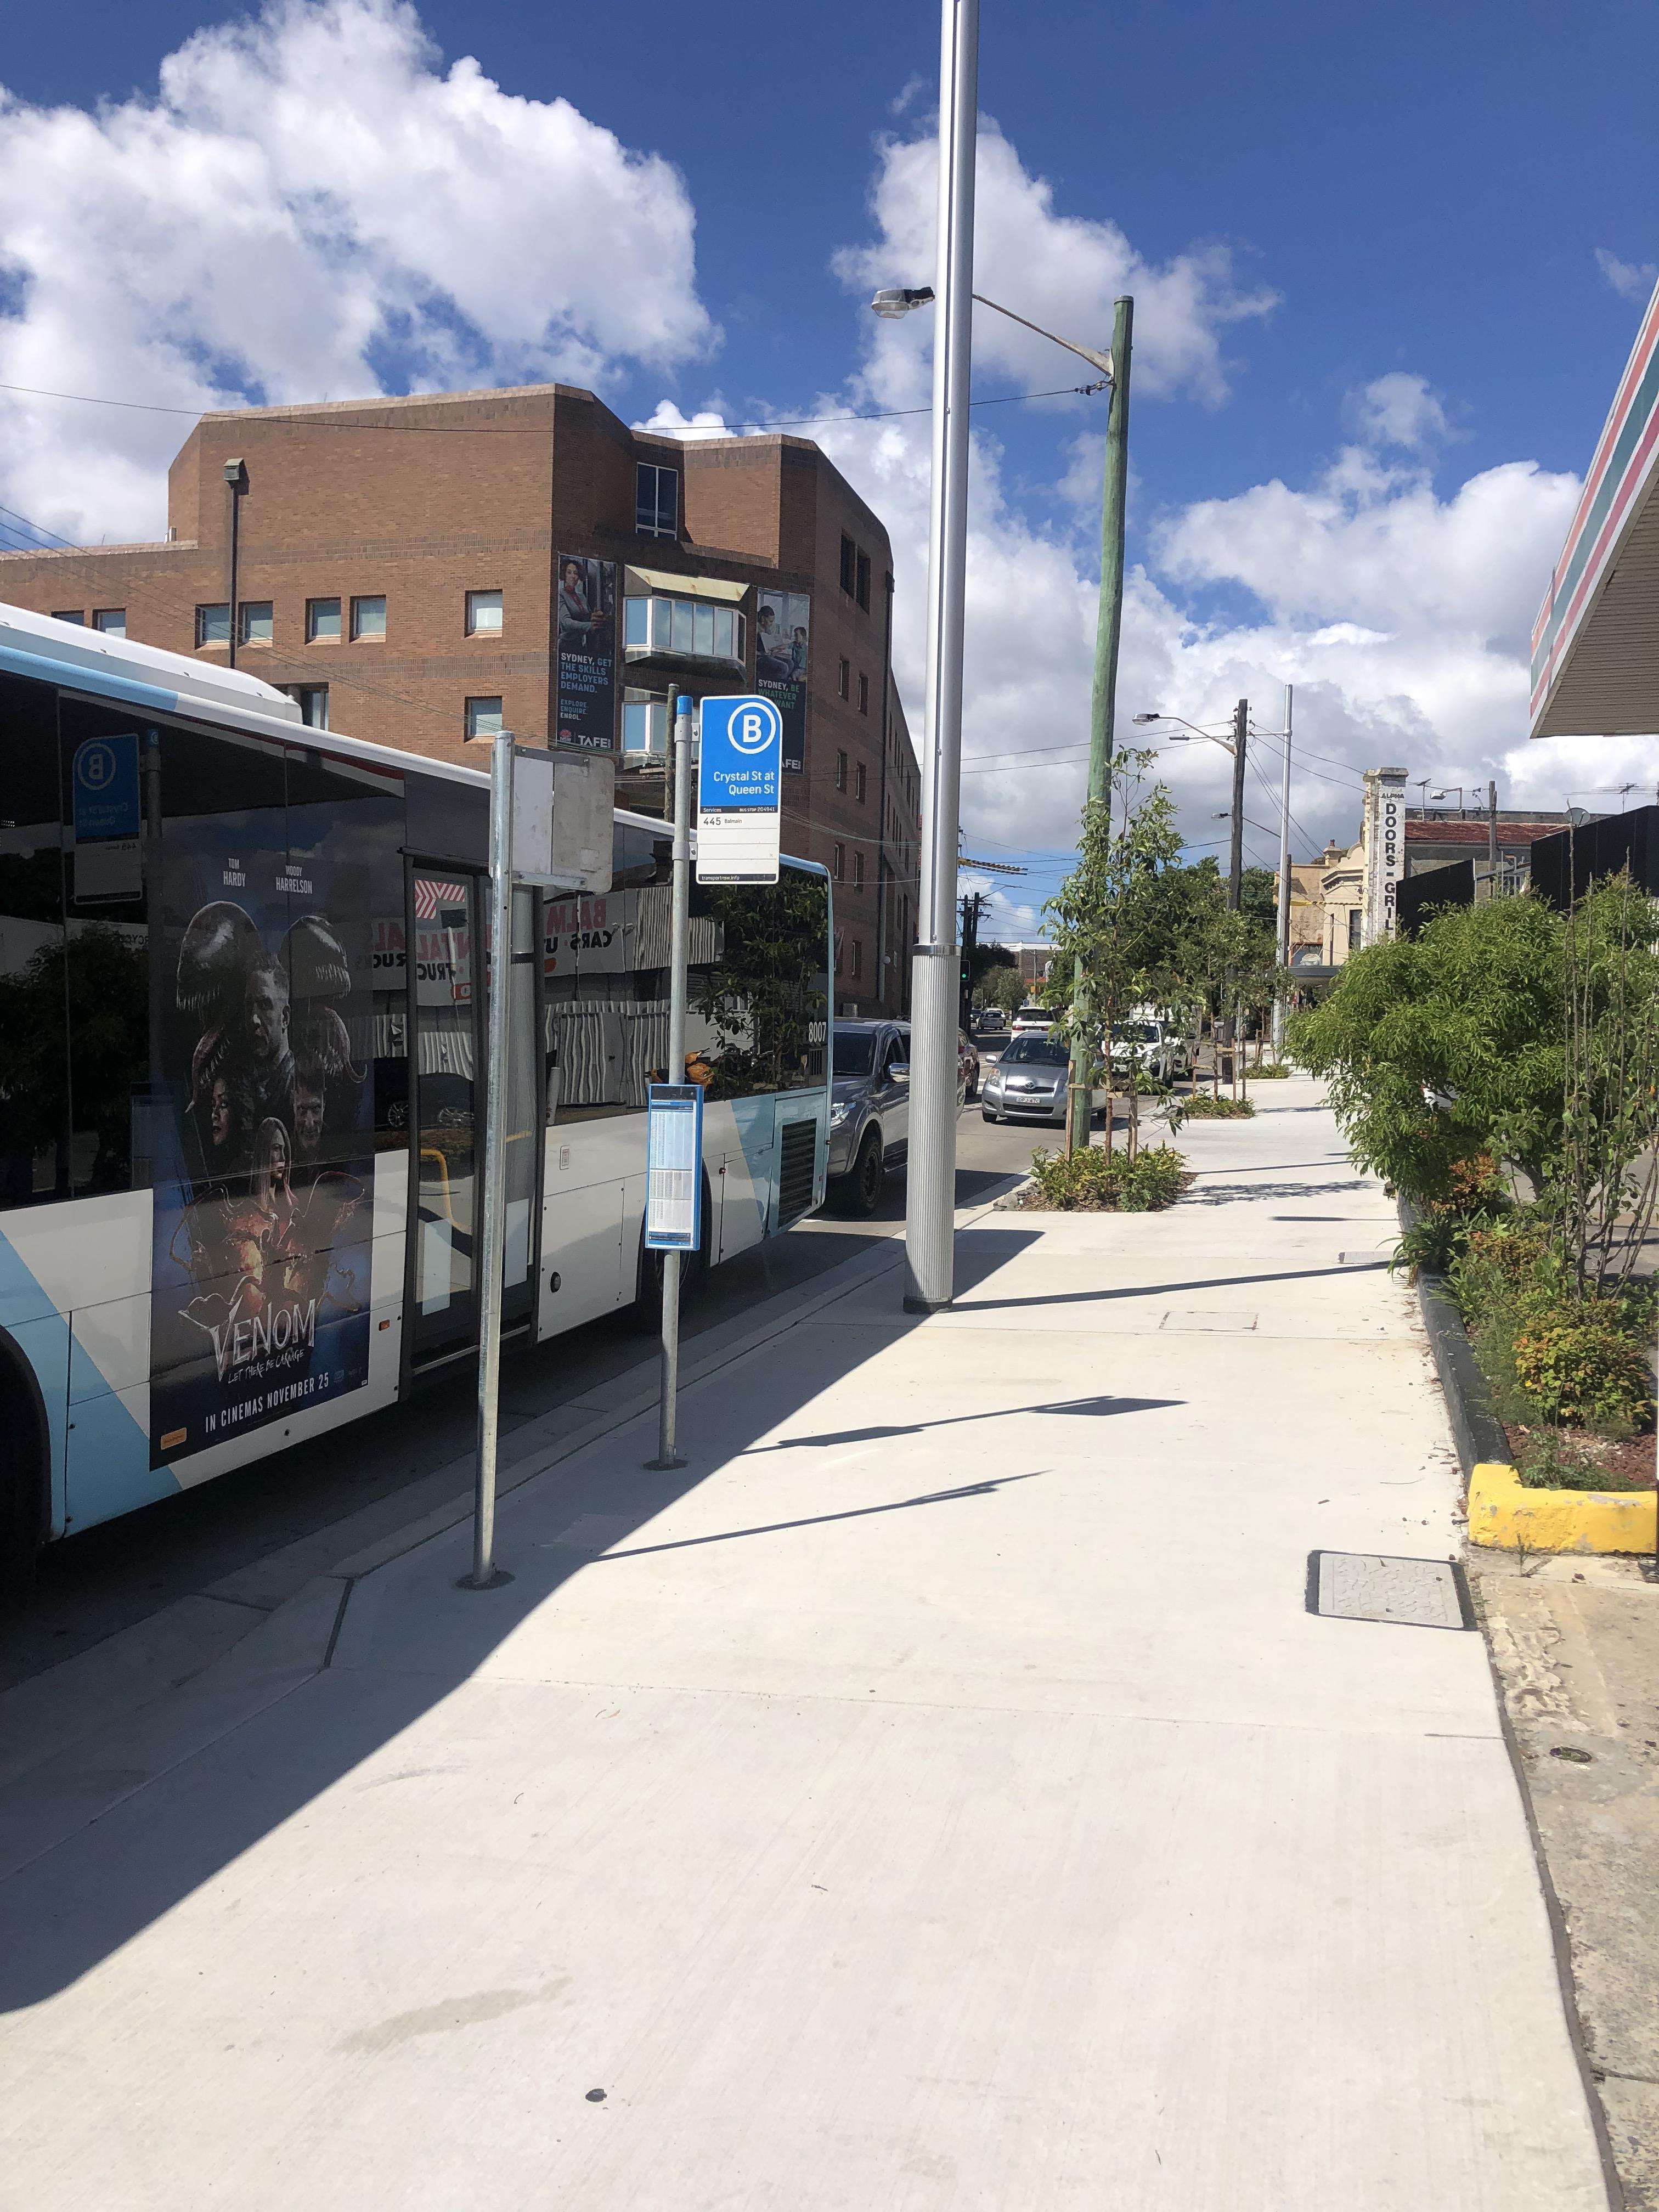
859 776
844 679
484 717
656 501
839 950
112 621
313 702
254 622
1353 929
69 615
838 862
862 591
645 725
864 695
322 621
693 630
858 871
841 771
212 623
369 617
483 614
849 565
858 957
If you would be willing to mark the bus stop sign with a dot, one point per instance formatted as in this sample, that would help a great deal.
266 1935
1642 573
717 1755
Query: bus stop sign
739 791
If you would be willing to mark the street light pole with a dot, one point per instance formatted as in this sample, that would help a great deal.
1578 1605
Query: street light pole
930 1193
894 300
1280 994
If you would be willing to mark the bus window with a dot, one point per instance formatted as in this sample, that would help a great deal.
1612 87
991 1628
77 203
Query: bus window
605 985
34 1113
760 992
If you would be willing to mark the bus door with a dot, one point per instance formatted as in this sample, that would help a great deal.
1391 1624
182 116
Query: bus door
448 1033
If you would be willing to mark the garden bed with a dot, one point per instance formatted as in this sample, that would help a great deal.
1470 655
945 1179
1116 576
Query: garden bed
1096 1181
1547 1458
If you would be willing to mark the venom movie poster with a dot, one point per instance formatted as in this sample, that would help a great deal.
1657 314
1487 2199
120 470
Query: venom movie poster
264 1166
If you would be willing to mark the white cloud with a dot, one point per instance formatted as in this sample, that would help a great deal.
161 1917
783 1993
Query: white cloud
1400 409
311 207
1631 280
1401 616
707 423
1063 272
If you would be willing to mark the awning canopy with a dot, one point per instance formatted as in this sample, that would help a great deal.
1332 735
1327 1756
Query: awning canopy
686 587
1595 642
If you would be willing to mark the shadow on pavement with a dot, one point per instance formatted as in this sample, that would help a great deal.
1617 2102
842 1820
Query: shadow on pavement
1157 1289
1091 1405
108 1836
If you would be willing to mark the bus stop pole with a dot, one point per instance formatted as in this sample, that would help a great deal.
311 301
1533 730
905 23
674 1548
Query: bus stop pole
679 934
492 1211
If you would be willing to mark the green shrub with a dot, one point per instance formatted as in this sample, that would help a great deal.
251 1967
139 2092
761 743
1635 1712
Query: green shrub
1096 1181
1201 1107
1267 1072
1581 1368
1506 1270
1434 1241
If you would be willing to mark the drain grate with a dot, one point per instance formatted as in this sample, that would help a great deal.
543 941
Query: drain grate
1371 1586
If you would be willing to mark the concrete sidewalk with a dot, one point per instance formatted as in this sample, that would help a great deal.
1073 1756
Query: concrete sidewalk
940 1795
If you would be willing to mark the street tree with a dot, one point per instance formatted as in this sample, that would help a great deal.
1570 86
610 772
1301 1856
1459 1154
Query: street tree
1108 918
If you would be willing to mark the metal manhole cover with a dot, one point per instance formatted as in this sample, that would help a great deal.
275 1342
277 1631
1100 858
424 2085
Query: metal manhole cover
1371 1586
1204 1323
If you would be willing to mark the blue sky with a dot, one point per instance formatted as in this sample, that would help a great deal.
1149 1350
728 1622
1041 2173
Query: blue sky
1418 196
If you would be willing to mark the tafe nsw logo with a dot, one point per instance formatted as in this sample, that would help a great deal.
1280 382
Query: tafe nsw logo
755 726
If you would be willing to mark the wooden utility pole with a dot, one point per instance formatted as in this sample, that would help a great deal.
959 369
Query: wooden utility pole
1235 880
1108 626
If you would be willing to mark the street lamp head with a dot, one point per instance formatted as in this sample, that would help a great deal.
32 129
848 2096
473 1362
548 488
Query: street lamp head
896 299
1149 718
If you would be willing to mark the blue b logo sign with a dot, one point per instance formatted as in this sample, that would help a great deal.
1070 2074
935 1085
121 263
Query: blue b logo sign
755 726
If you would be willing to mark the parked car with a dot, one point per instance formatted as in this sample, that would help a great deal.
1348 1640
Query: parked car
1029 1082
987 1020
966 1066
869 1110
1146 1040
1033 1020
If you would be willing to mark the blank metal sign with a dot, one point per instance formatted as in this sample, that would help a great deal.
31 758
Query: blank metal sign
1371 1586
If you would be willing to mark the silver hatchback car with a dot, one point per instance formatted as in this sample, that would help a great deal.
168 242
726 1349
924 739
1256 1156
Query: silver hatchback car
1027 1084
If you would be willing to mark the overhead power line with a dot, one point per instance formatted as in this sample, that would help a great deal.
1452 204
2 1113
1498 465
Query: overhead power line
531 429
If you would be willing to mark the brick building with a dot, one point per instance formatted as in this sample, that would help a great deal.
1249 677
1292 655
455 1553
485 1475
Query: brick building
418 571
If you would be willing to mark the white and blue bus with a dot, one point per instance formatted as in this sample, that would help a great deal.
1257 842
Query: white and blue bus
241 1013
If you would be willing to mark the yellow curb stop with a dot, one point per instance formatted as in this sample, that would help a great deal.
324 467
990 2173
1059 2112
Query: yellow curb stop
1504 1515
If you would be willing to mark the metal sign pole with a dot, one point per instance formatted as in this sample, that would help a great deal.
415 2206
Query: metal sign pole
679 935
486 1575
